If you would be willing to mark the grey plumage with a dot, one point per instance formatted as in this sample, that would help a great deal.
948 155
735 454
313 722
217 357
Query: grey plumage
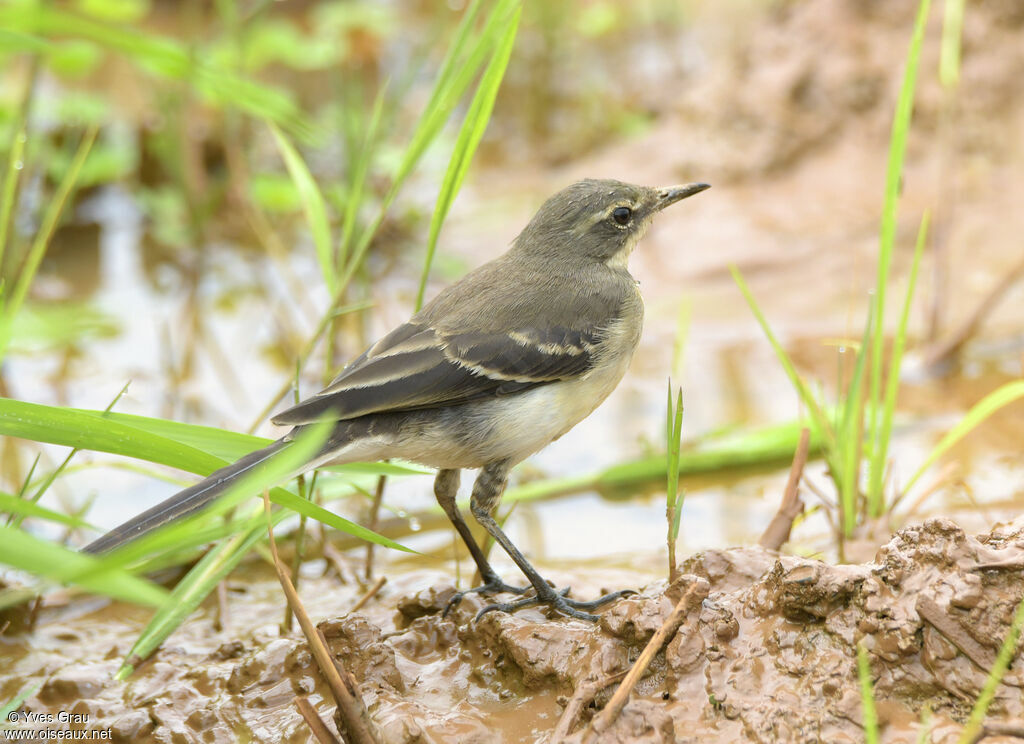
496 367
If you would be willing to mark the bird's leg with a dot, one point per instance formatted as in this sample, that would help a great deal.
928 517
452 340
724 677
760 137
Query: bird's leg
487 491
446 486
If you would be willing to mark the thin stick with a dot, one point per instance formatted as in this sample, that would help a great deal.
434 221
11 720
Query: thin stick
351 710
943 352
695 593
378 496
223 617
316 724
777 533
369 594
581 698
300 545
337 561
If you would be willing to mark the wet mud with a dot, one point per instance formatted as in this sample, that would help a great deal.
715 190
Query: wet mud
768 656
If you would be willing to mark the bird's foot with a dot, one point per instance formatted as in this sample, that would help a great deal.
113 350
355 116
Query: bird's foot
493 586
559 602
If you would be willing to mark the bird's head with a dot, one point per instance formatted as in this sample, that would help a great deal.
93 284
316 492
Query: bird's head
599 220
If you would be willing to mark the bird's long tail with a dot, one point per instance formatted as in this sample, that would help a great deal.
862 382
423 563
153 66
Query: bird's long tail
183 503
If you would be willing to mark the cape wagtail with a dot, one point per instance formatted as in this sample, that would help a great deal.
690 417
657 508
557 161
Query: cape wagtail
496 367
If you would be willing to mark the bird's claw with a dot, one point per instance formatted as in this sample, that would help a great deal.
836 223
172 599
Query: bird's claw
558 602
494 586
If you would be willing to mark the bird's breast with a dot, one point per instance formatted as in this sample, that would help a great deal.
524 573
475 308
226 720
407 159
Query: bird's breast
529 421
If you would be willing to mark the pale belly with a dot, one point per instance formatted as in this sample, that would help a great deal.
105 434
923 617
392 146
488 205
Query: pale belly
515 427
509 428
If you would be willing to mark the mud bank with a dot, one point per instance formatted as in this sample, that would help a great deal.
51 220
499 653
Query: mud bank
768 656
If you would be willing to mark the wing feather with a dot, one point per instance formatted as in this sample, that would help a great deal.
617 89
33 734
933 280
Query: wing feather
417 367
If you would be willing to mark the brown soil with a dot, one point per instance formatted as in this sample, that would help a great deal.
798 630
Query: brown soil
770 656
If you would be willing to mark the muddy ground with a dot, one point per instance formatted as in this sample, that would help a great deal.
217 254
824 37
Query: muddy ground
768 656
789 119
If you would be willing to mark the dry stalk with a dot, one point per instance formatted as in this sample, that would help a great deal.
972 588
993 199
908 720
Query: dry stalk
581 698
369 594
694 594
777 533
316 724
358 729
378 497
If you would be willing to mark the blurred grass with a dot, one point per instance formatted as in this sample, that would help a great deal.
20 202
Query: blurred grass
863 431
867 695
1007 652
479 49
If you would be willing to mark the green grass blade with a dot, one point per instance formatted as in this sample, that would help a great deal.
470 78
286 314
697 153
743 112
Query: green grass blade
952 37
887 237
17 701
28 270
850 437
164 57
8 196
472 131
995 675
56 563
673 495
191 591
313 205
819 421
12 504
109 433
867 695
458 70
999 398
360 169
880 452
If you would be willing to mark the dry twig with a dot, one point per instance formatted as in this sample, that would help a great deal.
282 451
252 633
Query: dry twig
222 618
941 354
358 729
777 532
582 696
316 724
694 594
378 497
369 594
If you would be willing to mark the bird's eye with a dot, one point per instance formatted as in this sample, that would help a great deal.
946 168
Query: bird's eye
622 215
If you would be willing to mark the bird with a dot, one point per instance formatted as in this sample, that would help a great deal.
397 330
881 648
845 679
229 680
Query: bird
496 367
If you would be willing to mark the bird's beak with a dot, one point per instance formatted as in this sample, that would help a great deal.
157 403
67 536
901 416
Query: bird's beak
672 194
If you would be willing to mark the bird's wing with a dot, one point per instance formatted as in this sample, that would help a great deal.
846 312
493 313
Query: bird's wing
417 366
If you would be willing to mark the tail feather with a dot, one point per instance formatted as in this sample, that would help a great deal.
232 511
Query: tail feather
184 503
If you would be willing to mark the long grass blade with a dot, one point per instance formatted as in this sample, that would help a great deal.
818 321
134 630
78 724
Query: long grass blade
11 504
357 185
887 237
995 675
109 433
850 438
880 452
9 195
313 205
820 425
999 398
60 565
53 212
191 591
469 137
952 37
867 695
